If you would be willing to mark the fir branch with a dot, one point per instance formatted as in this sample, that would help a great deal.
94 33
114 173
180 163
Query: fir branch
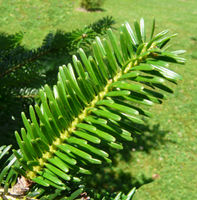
95 106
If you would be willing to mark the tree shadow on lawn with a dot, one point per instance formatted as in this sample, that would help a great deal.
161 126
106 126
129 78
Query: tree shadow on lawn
91 10
113 179
151 138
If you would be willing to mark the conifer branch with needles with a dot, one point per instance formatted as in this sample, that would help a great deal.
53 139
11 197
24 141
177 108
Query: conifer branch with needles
95 106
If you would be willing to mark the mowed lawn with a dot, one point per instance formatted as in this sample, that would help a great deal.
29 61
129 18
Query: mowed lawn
164 165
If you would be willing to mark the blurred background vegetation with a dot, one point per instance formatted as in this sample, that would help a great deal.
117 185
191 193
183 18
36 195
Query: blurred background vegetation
162 163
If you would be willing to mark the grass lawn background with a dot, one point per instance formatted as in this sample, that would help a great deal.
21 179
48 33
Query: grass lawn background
168 152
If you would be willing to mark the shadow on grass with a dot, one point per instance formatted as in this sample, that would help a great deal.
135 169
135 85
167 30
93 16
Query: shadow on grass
113 179
91 10
151 138
96 10
194 52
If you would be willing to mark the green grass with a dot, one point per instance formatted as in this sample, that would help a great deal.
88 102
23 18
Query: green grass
169 149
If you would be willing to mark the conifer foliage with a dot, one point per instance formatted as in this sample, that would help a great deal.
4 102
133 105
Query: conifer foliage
23 71
96 105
